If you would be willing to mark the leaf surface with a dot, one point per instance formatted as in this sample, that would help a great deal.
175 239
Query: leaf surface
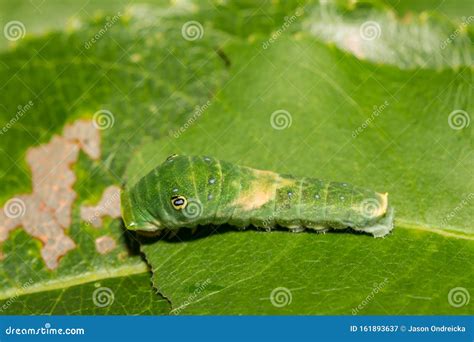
373 125
135 70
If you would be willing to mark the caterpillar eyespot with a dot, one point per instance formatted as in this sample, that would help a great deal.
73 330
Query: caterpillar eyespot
178 202
219 192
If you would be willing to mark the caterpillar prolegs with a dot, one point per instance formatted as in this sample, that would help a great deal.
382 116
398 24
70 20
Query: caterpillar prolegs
187 191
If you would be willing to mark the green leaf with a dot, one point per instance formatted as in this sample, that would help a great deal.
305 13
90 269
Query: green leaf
136 67
454 8
124 295
66 13
229 272
371 33
406 146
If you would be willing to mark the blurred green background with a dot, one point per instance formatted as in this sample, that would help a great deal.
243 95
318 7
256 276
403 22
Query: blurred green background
43 15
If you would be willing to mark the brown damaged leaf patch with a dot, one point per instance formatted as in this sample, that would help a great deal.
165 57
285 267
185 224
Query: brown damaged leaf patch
109 205
46 212
105 244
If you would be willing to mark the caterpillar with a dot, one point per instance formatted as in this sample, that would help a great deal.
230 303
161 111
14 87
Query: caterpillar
188 191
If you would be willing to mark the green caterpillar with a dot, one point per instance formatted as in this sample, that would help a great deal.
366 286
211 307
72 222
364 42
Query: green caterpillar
187 191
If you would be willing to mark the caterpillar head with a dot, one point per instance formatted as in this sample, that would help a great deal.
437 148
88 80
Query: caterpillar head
134 217
157 202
